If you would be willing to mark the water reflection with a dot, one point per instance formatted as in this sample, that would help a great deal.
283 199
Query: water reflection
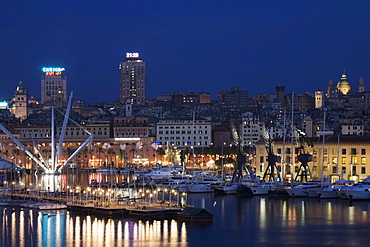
252 221
23 227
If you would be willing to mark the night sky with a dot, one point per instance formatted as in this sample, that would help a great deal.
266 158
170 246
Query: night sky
188 45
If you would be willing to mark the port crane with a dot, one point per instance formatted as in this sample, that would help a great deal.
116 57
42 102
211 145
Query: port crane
271 173
303 143
241 158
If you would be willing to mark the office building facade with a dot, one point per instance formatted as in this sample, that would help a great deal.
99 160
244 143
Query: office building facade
53 83
133 79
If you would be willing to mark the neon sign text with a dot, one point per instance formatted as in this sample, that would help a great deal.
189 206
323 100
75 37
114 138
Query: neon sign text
133 54
53 73
52 69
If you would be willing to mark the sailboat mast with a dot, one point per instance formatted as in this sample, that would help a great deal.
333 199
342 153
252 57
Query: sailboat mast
291 141
283 148
322 150
192 141
52 140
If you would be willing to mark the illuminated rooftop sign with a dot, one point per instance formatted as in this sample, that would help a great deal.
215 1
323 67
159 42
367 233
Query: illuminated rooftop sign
3 104
52 69
133 54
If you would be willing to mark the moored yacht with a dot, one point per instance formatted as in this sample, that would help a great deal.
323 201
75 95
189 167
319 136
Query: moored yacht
264 187
302 189
332 190
359 191
226 189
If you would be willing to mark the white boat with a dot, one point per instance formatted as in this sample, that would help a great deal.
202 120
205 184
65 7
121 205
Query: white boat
250 180
332 190
359 191
264 187
159 174
302 189
200 188
183 186
316 191
170 184
227 189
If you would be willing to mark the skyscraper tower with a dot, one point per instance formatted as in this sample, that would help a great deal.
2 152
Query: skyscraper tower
52 83
361 85
133 79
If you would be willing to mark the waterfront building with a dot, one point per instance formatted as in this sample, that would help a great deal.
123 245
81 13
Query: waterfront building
53 82
184 132
101 129
100 152
133 79
19 103
131 127
347 155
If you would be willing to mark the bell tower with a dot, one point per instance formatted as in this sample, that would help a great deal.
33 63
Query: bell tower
20 102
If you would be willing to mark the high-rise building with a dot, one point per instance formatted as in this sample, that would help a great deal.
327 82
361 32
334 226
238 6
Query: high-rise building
133 79
53 83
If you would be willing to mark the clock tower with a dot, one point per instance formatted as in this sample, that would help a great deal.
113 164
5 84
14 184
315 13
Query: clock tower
20 102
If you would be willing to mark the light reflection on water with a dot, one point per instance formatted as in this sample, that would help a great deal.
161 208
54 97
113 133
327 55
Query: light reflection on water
256 221
28 227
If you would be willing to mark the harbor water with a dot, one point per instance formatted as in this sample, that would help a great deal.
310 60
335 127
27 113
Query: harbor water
238 221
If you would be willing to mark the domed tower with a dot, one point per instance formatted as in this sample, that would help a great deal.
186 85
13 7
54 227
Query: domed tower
344 87
20 102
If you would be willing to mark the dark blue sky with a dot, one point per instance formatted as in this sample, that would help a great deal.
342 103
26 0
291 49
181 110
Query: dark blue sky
188 45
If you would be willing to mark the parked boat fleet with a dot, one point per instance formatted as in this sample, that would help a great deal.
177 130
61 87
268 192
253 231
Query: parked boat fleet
251 185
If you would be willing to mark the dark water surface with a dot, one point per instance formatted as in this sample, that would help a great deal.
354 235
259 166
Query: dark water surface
238 221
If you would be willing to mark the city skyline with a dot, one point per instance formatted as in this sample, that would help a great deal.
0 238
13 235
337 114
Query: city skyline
193 46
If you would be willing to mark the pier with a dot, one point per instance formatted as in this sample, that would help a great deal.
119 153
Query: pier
127 207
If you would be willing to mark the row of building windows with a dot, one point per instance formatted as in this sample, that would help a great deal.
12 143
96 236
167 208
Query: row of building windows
334 160
183 127
353 151
178 138
334 169
184 143
184 132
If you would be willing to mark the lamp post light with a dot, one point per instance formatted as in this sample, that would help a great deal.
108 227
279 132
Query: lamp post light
88 189
185 198
165 191
171 192
6 183
156 195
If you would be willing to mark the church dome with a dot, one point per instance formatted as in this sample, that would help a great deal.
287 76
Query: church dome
343 85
